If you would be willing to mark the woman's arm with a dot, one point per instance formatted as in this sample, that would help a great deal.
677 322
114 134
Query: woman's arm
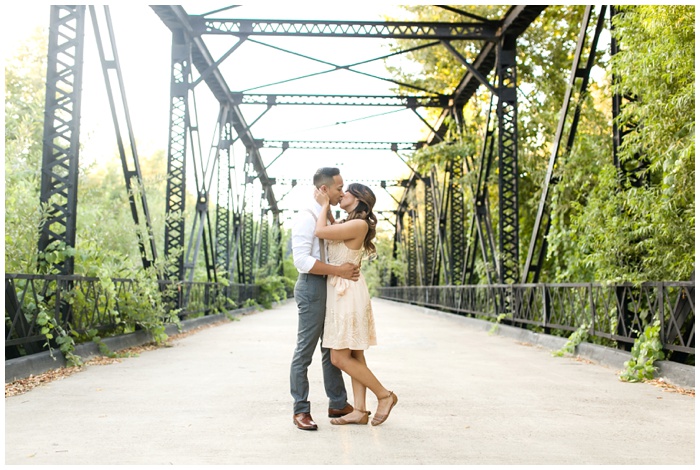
349 230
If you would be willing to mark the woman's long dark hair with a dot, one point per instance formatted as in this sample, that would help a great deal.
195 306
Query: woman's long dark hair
365 203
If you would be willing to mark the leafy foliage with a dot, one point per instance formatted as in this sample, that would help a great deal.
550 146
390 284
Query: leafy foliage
647 349
106 242
602 228
576 338
378 271
24 107
648 233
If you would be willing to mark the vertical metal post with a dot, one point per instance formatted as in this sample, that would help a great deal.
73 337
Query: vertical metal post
264 239
61 144
278 240
131 169
430 252
508 160
177 151
248 237
398 228
482 234
457 221
236 266
546 308
535 259
223 196
412 278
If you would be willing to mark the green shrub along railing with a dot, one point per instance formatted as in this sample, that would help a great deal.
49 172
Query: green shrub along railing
43 312
615 315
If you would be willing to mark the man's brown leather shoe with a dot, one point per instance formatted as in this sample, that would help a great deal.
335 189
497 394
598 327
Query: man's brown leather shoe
305 422
338 413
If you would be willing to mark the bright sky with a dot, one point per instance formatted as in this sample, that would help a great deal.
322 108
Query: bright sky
143 44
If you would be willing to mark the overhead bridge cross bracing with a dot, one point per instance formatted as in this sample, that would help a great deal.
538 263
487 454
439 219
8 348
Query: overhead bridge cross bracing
366 29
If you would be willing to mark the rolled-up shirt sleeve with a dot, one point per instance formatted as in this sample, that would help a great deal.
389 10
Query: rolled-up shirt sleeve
302 242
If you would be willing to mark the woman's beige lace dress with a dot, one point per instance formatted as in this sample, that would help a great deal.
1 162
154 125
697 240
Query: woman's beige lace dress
349 320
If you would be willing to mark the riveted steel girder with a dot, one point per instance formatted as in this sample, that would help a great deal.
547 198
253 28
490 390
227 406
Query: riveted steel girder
224 195
135 190
481 229
59 170
434 101
507 111
431 253
456 209
413 278
263 240
580 72
515 21
483 30
175 18
341 145
177 152
247 239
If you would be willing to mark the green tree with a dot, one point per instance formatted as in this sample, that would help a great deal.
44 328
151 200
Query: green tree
545 51
601 229
647 233
24 107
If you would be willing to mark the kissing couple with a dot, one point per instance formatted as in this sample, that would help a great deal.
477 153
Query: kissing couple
334 304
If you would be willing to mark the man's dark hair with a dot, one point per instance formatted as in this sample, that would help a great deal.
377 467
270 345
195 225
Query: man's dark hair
325 176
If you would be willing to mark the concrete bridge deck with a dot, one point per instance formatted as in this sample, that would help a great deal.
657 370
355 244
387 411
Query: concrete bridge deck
221 396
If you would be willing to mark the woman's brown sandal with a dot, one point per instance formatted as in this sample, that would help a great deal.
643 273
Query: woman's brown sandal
379 419
342 420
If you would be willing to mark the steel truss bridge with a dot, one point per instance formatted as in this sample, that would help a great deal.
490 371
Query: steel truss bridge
440 242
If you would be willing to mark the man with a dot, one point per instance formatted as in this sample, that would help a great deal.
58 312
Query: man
310 294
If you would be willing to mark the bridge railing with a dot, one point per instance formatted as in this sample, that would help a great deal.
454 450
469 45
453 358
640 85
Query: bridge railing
614 313
79 304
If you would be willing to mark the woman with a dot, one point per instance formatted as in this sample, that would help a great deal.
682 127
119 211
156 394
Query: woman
349 325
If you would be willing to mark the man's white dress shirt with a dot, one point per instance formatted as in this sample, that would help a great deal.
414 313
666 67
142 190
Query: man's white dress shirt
305 245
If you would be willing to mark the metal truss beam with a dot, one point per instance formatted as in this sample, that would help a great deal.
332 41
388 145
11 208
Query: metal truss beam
440 200
456 210
481 231
130 163
580 71
247 238
236 265
59 170
413 102
177 19
277 236
309 181
483 30
177 151
411 246
201 238
398 231
224 197
507 111
515 21
264 240
337 145
430 260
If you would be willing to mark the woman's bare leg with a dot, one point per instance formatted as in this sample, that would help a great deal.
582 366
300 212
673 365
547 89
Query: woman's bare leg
359 390
358 370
